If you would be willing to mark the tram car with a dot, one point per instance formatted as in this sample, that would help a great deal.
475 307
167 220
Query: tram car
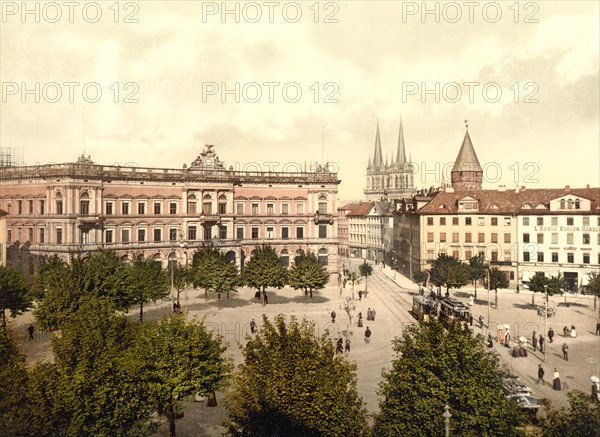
423 306
453 311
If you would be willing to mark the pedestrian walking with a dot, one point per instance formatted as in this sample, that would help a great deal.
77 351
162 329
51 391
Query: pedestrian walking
565 350
373 314
31 330
598 327
490 341
359 294
367 335
340 346
481 321
252 326
541 375
347 345
541 344
550 334
266 298
333 317
534 341
556 381
368 313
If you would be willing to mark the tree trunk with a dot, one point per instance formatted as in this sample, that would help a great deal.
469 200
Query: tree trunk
496 303
142 312
172 423
532 299
311 293
366 284
475 283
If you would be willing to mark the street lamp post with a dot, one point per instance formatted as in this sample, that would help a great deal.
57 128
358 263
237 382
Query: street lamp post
488 299
546 320
447 417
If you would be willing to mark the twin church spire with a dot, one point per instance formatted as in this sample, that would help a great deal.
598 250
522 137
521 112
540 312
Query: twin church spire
400 158
385 179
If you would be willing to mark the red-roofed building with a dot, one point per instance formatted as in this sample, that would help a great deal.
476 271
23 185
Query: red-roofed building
523 232
370 227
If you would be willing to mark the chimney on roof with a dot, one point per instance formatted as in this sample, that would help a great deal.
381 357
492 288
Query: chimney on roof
501 187
522 187
587 185
567 187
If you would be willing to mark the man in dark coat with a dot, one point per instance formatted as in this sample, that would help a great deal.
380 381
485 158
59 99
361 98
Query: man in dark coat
550 334
541 344
541 375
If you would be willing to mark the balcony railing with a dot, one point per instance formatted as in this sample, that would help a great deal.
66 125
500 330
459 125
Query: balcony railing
323 218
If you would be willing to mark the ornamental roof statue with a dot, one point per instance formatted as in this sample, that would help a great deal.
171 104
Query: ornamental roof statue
207 159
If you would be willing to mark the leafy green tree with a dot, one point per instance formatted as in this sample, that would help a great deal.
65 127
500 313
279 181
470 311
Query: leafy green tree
593 287
582 419
498 279
59 287
365 270
13 395
181 279
291 383
435 367
264 269
146 281
449 272
100 389
477 271
542 284
354 278
14 295
204 264
420 277
103 275
177 359
226 276
308 274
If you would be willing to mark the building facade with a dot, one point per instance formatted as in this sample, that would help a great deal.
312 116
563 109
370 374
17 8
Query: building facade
522 232
370 227
342 229
389 180
74 209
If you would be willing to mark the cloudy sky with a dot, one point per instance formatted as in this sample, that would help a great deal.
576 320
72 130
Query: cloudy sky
278 84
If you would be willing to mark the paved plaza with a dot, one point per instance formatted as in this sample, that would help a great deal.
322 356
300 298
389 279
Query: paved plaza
390 294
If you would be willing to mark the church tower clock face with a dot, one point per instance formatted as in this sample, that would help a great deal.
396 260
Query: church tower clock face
209 162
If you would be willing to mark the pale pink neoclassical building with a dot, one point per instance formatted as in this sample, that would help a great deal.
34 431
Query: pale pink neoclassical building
74 209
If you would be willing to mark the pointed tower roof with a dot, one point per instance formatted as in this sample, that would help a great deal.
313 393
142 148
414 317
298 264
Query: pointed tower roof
467 158
377 156
369 164
401 153
386 161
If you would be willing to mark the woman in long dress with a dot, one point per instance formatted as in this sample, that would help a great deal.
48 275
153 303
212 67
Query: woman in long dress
556 381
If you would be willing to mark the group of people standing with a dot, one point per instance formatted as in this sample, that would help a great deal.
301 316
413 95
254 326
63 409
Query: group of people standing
556 385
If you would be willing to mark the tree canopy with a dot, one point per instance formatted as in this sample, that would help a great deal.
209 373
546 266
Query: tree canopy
365 270
307 274
264 269
477 270
146 281
177 359
498 279
449 272
14 294
582 419
291 383
435 367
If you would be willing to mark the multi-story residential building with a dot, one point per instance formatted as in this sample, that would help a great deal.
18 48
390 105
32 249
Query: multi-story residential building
521 231
76 208
370 230
389 180
342 229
